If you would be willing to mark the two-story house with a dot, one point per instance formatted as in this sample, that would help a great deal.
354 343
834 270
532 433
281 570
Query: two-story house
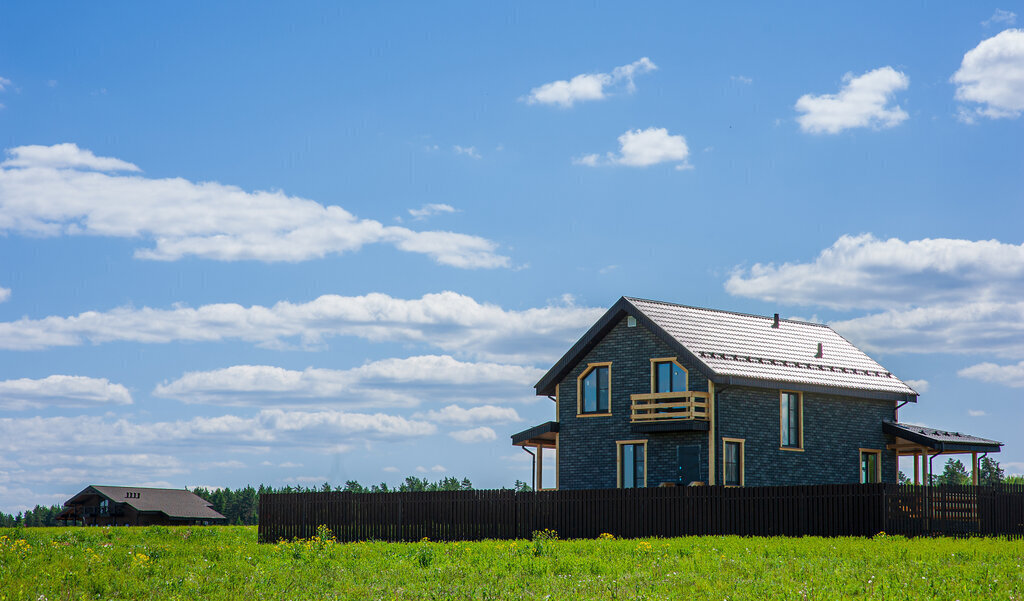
663 394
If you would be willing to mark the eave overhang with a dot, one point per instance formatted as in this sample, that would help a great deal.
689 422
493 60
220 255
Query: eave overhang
543 435
928 437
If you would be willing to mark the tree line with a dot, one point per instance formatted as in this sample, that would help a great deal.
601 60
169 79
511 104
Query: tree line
955 472
240 506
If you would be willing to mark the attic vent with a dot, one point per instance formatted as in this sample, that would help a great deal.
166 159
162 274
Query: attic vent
821 352
630 322
775 324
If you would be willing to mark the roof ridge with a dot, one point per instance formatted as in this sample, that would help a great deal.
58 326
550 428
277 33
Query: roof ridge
741 314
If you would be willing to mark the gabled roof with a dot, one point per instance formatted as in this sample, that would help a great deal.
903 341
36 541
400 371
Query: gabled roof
941 440
740 349
175 503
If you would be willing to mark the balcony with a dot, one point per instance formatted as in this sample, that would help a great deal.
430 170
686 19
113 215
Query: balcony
664 411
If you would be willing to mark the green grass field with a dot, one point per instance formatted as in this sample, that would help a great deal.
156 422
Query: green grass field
226 563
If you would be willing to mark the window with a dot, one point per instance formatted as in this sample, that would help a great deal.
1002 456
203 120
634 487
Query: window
632 463
594 389
870 466
791 420
668 376
732 461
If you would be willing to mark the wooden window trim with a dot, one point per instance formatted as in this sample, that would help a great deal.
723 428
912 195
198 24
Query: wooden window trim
743 461
878 464
618 460
656 360
783 421
579 390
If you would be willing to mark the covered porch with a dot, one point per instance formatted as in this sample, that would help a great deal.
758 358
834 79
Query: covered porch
925 444
544 436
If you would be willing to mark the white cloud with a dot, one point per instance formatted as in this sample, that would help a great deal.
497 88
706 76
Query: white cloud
867 273
473 435
438 468
389 382
233 464
61 391
4 82
992 76
454 414
1001 16
289 465
1007 375
390 469
589 86
643 148
937 295
921 386
63 156
741 79
861 103
469 151
421 469
64 190
450 321
984 327
297 429
431 209
5 293
976 413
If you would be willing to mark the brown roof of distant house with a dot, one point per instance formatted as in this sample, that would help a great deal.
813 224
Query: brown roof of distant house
175 503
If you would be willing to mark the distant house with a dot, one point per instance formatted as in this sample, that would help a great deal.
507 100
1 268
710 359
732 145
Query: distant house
136 506
662 394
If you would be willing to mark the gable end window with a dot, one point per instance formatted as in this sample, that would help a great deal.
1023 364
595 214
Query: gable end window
668 376
870 466
594 390
632 463
791 421
733 461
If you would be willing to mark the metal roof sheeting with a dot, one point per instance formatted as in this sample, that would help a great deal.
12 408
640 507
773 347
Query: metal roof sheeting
747 346
175 503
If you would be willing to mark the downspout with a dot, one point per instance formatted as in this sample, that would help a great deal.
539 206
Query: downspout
533 469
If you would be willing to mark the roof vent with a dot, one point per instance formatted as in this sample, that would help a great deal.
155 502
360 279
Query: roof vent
821 352
776 323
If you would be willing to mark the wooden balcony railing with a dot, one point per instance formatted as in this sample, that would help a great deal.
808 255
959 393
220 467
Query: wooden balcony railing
660 406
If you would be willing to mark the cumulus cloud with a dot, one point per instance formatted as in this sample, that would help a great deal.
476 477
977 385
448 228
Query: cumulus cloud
469 151
643 148
64 190
864 272
431 209
454 414
992 77
474 435
920 386
1001 17
390 382
1007 375
297 429
862 102
5 293
935 295
61 391
450 321
589 86
4 83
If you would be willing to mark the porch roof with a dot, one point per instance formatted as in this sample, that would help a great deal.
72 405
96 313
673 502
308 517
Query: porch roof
543 435
942 441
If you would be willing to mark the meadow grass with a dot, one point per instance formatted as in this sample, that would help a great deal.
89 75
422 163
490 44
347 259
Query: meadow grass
227 563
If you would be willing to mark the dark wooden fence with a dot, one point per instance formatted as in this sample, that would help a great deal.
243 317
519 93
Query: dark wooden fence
826 510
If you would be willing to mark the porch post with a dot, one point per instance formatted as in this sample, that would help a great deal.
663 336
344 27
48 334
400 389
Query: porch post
917 467
974 468
540 467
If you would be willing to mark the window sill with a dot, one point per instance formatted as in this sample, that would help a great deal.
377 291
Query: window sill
594 414
800 449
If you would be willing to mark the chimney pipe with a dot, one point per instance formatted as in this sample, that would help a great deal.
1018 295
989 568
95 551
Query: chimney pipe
821 352
776 324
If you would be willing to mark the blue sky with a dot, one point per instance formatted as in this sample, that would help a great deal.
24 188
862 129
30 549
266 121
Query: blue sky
244 244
